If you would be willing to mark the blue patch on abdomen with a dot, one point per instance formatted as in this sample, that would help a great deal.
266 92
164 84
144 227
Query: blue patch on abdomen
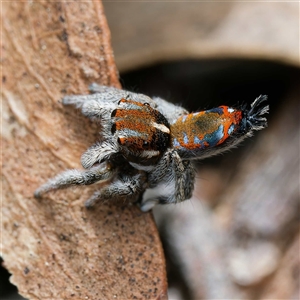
213 138
218 110
176 143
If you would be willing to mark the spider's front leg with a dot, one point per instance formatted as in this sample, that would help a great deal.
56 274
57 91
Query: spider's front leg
93 106
172 181
99 152
123 186
104 171
112 94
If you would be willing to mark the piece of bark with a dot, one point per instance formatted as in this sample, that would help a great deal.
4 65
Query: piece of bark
55 248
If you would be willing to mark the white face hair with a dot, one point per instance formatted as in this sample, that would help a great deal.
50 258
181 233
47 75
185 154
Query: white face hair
148 145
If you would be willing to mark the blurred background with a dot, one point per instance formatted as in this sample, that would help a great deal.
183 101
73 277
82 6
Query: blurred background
238 237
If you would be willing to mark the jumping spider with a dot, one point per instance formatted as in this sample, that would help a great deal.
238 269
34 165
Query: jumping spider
148 145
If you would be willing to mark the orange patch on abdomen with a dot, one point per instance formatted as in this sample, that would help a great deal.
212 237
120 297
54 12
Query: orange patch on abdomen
205 129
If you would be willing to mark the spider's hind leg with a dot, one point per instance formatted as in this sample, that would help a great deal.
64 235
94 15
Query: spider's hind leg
172 181
170 110
172 170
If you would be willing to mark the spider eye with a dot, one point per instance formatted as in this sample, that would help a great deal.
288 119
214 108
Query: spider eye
146 104
146 144
113 128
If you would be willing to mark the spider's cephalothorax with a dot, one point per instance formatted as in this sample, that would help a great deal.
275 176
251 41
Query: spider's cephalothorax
148 145
142 132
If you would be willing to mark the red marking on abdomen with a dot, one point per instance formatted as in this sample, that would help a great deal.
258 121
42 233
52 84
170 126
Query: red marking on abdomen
230 118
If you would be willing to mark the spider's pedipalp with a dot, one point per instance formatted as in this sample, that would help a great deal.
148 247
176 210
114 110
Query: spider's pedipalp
76 177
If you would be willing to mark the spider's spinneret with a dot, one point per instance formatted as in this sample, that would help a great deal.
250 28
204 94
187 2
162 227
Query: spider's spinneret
142 132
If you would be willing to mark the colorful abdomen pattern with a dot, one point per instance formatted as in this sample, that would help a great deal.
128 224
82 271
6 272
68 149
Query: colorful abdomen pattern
204 129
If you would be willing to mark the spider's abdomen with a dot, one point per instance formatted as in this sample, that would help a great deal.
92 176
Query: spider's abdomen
142 132
206 129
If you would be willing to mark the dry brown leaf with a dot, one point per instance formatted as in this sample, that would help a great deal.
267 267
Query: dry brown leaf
147 32
54 248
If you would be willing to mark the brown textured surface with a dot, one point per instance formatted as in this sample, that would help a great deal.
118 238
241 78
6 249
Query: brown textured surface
54 248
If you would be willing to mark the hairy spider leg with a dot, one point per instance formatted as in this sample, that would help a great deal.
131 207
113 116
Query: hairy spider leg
112 94
75 177
92 106
170 110
172 181
122 186
98 153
